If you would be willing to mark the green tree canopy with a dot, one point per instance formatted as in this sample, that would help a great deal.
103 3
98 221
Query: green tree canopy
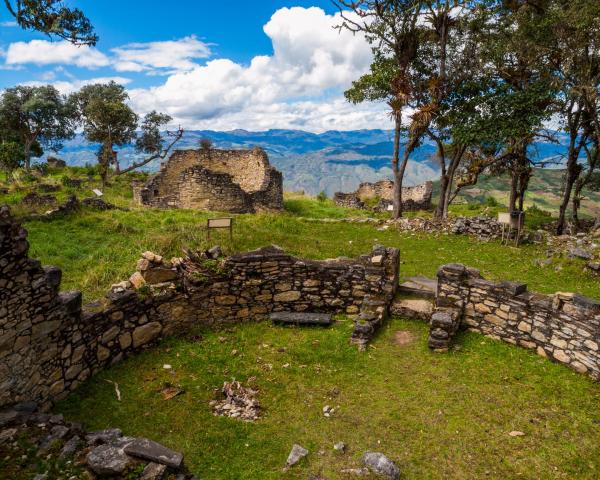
53 18
34 117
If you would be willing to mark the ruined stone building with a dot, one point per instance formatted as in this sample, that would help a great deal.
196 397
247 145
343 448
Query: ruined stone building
238 181
413 198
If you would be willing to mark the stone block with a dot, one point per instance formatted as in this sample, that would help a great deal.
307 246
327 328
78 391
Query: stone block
146 334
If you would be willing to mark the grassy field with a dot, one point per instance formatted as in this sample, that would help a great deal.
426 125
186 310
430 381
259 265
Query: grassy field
438 416
96 249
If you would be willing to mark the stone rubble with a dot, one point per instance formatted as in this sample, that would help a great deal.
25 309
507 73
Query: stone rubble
105 453
239 402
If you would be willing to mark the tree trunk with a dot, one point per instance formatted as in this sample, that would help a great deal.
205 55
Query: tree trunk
27 152
572 175
446 182
444 189
104 160
397 194
573 169
576 202
512 201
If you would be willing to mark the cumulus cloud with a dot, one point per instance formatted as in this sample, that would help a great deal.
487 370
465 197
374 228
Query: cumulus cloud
9 24
310 59
174 55
299 86
44 52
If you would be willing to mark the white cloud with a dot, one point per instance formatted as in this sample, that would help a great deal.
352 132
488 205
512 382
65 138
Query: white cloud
9 24
174 55
299 86
44 52
286 89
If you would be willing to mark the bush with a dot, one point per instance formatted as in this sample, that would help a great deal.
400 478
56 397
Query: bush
534 210
322 196
491 202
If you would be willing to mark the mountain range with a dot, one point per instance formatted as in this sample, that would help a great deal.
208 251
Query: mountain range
331 161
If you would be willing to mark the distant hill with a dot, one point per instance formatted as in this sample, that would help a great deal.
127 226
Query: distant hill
331 161
545 191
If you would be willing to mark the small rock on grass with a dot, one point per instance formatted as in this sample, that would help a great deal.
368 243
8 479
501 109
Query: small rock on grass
298 453
108 460
516 433
381 465
340 446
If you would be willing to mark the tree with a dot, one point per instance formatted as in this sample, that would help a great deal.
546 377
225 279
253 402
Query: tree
11 157
516 45
35 116
109 121
54 19
589 178
106 119
391 27
576 55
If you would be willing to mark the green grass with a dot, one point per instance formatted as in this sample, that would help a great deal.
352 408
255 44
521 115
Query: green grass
96 249
438 416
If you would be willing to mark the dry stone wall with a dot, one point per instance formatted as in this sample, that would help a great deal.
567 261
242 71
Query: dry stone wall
50 343
254 284
413 198
564 327
224 180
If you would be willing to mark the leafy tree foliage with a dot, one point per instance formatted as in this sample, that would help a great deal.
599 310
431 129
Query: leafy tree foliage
53 18
108 120
392 28
11 157
35 117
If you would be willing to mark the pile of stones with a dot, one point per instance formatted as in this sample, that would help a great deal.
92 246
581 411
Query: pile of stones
34 199
97 204
482 226
582 246
102 454
238 402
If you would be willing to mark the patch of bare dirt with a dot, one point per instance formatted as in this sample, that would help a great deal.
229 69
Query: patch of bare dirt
402 338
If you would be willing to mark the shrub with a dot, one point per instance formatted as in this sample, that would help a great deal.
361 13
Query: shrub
322 196
491 202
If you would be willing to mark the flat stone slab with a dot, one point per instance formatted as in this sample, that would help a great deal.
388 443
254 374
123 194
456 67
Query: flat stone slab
421 286
301 318
154 452
418 308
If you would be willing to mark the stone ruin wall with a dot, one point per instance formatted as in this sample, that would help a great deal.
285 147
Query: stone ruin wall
413 198
227 180
564 327
267 280
50 343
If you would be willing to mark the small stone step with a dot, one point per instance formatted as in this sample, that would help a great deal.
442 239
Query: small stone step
421 286
301 318
416 308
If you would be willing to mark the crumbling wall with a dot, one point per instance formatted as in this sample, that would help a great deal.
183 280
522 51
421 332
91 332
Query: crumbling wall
50 343
413 198
564 327
254 284
226 180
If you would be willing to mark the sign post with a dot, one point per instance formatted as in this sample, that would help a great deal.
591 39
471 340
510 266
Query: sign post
216 223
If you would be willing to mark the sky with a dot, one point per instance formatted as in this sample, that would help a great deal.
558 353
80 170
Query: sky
210 65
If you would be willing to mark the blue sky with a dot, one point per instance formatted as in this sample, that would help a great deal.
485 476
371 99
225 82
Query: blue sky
219 65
